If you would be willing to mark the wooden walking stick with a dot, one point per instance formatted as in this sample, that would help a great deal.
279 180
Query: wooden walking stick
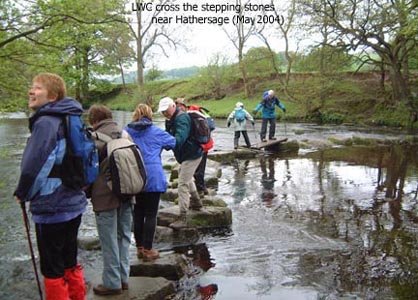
26 221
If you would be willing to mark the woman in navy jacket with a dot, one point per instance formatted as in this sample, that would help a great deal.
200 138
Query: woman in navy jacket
56 209
151 140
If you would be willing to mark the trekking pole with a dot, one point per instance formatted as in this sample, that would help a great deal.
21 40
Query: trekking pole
255 133
285 129
25 218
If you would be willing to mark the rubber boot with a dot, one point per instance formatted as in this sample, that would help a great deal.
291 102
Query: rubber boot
195 202
76 283
56 289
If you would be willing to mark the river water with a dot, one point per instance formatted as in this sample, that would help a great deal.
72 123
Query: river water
339 223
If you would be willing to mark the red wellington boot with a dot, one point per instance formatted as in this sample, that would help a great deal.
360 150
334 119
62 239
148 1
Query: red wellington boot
56 289
76 284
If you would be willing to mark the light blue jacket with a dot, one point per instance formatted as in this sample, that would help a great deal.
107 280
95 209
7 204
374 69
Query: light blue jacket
152 140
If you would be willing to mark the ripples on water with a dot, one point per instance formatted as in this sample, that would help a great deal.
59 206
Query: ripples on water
324 225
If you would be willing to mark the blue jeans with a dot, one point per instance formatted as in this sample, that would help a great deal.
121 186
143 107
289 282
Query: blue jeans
114 229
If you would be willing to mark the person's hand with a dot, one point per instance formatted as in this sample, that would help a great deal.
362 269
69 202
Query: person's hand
284 110
252 122
229 124
254 112
18 200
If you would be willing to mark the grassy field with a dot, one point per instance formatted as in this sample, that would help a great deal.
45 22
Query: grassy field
341 98
338 98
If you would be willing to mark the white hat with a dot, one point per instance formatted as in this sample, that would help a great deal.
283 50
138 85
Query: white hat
239 105
271 92
165 103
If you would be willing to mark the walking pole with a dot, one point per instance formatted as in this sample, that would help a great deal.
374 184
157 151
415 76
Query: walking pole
25 218
285 129
255 133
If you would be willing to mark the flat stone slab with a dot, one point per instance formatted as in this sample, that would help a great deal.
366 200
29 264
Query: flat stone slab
207 218
140 288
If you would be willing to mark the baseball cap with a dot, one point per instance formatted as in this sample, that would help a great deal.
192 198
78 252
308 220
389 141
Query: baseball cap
165 103
181 101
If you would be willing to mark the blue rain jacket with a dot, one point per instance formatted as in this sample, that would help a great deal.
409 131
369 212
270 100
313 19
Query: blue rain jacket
268 106
152 140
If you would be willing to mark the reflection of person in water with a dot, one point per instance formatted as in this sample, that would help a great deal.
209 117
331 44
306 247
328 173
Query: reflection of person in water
238 182
267 180
200 262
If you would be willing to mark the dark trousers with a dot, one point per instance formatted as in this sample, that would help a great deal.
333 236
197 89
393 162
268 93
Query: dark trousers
272 129
199 174
57 246
145 218
245 135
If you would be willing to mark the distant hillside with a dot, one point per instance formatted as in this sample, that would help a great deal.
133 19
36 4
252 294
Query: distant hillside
130 77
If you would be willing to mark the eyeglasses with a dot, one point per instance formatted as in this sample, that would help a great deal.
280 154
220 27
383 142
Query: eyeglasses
165 113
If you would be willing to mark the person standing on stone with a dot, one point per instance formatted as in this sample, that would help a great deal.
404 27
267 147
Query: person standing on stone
187 153
151 140
56 208
113 214
240 116
199 175
268 104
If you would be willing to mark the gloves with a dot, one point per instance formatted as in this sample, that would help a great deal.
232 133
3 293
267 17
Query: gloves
229 124
254 112
284 109
252 122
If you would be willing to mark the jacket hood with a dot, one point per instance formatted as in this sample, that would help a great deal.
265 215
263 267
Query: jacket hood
142 124
64 106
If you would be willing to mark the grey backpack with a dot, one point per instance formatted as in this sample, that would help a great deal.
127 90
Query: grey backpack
126 165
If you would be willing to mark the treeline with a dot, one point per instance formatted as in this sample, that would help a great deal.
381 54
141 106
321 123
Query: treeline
88 40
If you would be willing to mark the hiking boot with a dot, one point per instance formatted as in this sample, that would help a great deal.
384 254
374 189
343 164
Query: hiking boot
196 207
195 202
263 140
104 291
150 255
272 138
125 286
180 223
140 252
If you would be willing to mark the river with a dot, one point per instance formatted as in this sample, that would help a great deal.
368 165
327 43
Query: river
334 223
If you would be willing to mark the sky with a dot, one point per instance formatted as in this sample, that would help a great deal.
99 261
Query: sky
204 40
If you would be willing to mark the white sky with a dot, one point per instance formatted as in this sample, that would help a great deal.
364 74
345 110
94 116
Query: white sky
206 40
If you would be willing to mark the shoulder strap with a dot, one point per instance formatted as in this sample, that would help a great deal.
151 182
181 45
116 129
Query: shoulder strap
101 136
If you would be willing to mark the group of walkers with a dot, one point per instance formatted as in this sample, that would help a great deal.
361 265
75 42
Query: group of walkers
240 116
57 208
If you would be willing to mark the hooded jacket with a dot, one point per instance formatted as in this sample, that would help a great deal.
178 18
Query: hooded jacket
268 105
240 126
50 201
102 198
179 126
152 140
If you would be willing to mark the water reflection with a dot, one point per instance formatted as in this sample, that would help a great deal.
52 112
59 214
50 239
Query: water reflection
335 224
267 180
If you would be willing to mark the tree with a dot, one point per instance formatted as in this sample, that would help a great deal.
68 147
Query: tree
216 76
148 35
153 74
68 44
378 25
259 63
239 36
